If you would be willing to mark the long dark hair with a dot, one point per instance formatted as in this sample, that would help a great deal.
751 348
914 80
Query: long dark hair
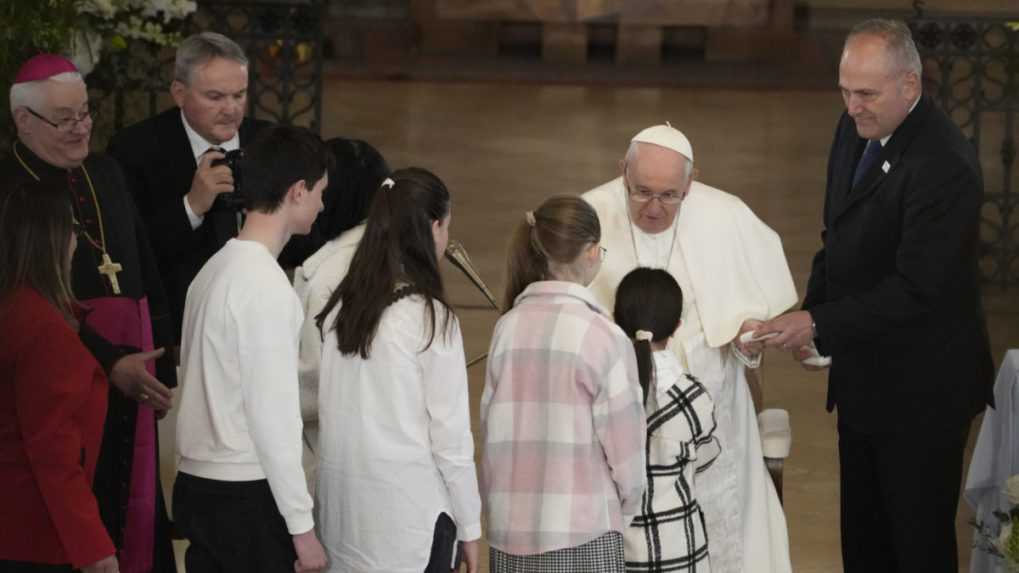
650 300
396 257
36 224
353 182
555 232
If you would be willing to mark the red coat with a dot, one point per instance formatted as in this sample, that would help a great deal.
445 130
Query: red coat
52 407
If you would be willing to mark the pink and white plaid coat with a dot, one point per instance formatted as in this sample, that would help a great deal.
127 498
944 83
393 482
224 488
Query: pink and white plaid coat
563 422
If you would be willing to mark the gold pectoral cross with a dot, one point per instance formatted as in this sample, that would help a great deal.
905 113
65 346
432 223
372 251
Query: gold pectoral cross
110 270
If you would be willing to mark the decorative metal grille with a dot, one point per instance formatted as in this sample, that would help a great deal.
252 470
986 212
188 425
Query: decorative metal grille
283 42
971 67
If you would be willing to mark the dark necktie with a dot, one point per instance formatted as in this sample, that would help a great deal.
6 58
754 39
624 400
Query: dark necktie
225 222
867 160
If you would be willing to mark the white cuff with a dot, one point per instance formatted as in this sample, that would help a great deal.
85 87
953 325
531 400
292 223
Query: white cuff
471 532
751 362
194 219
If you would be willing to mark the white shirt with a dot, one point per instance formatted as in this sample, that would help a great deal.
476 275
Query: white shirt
395 445
240 416
315 281
199 145
884 140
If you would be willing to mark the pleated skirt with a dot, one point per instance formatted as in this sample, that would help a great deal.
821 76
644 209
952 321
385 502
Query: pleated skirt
601 555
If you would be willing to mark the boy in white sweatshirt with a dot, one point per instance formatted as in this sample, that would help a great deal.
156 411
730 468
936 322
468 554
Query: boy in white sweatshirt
240 495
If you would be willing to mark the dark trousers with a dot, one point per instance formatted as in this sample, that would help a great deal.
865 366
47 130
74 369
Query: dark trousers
899 494
446 550
232 527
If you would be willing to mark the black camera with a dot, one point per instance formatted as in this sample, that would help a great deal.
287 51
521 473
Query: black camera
232 201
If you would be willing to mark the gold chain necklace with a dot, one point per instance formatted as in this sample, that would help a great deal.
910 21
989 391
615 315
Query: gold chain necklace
108 267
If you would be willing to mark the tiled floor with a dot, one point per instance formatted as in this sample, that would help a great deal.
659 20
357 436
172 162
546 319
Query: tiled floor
502 148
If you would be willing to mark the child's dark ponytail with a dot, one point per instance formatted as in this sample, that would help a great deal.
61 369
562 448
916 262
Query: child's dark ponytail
649 305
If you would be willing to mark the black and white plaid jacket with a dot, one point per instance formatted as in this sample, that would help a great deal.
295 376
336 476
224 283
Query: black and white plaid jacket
669 534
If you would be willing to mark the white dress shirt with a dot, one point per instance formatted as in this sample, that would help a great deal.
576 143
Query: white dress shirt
395 446
199 145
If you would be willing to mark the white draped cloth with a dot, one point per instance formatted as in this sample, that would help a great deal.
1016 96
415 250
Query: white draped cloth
731 268
995 458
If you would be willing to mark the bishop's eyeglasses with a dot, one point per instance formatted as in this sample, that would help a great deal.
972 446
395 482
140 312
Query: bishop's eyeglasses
66 125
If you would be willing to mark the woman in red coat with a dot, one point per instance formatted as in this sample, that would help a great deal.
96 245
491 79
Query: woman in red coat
52 395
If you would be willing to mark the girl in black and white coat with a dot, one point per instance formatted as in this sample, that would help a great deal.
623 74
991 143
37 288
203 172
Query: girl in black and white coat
668 534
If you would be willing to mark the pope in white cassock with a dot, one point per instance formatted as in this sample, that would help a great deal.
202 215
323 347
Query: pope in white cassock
734 274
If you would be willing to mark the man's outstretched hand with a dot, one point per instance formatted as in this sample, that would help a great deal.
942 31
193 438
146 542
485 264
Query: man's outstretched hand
130 376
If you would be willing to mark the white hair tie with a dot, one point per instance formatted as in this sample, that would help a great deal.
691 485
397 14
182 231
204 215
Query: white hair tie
644 335
388 183
529 217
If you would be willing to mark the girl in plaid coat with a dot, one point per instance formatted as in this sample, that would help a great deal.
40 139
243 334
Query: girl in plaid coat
563 466
668 534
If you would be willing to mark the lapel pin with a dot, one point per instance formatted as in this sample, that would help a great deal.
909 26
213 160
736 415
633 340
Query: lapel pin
886 166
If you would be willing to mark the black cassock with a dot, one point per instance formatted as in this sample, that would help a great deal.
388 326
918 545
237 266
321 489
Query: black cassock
127 326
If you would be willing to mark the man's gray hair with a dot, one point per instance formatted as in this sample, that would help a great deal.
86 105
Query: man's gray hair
631 156
199 49
898 39
28 94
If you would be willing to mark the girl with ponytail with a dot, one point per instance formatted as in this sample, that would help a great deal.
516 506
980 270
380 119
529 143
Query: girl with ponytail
397 486
563 464
669 529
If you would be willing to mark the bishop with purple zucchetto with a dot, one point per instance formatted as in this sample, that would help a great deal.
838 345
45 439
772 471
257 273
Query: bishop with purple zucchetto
114 276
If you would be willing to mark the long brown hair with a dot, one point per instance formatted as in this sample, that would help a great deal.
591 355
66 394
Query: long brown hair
36 225
395 258
556 232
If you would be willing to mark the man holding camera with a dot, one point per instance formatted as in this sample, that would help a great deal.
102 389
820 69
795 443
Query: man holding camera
176 163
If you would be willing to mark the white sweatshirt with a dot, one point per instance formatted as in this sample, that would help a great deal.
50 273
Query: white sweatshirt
240 417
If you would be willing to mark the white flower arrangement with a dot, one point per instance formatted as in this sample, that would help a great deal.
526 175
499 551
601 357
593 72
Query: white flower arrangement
111 24
1003 543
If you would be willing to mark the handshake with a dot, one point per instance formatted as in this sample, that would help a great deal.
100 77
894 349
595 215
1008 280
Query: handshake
793 331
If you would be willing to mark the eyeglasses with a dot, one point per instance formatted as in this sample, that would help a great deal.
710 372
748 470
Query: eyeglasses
666 198
66 125
602 252
645 196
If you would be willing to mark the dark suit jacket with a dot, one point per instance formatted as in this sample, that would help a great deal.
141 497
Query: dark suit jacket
159 165
894 290
52 406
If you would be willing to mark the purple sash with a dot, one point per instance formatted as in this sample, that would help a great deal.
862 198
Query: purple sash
126 322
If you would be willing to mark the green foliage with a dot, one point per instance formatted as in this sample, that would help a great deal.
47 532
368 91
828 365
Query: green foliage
29 27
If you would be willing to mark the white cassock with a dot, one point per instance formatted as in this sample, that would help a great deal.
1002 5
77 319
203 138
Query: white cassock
731 268
995 459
